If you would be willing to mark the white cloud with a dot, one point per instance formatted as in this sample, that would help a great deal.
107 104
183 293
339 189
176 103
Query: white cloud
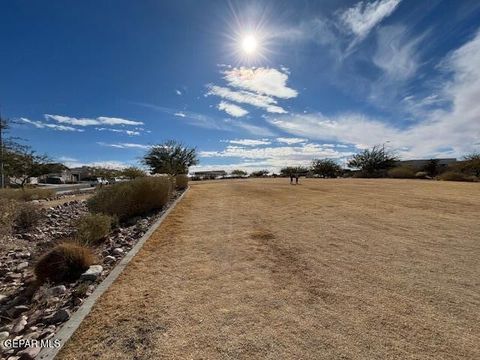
102 120
128 132
265 102
290 140
43 125
178 92
125 145
364 16
180 114
277 155
109 164
266 81
232 109
249 142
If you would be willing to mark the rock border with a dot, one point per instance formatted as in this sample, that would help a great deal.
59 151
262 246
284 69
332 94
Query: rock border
69 328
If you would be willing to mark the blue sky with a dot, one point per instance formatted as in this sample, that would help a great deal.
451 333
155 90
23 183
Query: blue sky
251 84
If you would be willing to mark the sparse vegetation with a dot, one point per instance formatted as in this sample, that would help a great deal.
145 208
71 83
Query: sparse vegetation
238 173
92 228
292 170
402 172
8 211
181 181
136 197
326 168
171 158
27 194
65 262
456 176
133 172
260 173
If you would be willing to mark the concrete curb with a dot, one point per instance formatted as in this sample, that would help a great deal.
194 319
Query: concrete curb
71 325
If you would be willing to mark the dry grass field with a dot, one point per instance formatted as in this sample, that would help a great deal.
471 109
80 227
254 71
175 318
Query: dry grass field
329 269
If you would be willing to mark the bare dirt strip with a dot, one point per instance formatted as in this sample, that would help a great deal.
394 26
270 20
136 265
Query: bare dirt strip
329 269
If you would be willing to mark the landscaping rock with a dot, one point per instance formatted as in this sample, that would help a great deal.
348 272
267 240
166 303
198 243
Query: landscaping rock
60 316
92 273
29 353
20 325
57 290
109 259
117 251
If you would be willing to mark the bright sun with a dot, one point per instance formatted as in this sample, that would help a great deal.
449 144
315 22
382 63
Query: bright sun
249 44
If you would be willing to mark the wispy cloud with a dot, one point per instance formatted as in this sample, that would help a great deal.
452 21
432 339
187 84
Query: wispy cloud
232 109
397 54
178 92
265 102
364 16
249 142
44 125
290 140
125 145
128 132
101 120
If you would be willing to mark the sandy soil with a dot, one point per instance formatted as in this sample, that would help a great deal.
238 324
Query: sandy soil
329 269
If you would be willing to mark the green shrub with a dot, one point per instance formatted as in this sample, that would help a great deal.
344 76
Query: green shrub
27 194
65 262
133 198
92 228
8 212
456 176
181 182
402 172
27 216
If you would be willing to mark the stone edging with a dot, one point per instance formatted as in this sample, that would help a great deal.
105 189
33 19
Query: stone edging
74 322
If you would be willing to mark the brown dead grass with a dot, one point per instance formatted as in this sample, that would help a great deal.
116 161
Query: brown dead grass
329 269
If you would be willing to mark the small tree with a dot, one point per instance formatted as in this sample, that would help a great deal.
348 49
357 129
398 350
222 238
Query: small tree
373 162
170 157
431 168
292 170
326 168
133 172
471 164
22 163
238 173
260 173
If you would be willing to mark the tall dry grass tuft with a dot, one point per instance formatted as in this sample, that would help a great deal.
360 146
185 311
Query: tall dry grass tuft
181 181
133 198
65 262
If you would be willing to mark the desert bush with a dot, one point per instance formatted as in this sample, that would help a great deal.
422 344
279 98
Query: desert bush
8 211
92 228
326 168
27 216
402 172
133 198
456 176
181 181
27 194
65 262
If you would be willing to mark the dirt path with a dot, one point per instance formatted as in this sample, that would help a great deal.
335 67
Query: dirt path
330 269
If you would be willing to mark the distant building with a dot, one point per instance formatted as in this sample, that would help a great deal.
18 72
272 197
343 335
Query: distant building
420 163
213 174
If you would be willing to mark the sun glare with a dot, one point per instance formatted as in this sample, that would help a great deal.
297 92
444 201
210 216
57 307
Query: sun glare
249 44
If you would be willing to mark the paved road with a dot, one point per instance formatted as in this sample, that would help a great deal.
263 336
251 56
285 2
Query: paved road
330 269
